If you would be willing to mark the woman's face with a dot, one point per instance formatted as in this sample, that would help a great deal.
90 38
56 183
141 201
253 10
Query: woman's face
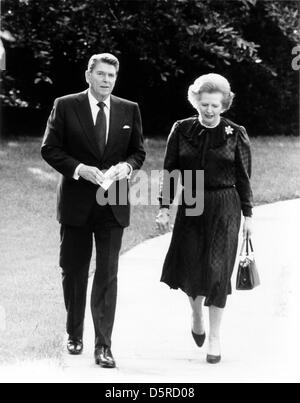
210 107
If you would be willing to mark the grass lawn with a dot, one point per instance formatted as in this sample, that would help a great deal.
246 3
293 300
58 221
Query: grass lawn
30 288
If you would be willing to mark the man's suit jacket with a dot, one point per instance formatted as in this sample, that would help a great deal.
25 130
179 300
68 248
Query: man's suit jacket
70 140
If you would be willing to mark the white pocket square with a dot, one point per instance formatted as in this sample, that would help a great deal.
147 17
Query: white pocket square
126 127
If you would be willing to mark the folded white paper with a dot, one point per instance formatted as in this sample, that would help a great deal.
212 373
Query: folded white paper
108 181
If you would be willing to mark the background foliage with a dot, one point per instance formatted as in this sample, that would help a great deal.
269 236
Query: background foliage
163 45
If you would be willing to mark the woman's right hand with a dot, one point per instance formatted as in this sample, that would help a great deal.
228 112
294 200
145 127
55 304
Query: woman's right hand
163 220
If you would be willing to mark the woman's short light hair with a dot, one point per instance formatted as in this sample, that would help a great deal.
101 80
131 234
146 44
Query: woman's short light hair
211 83
104 58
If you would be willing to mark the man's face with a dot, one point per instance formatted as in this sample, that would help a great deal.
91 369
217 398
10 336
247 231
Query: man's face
102 80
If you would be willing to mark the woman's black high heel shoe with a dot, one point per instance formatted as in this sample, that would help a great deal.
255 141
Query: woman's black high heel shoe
213 359
199 338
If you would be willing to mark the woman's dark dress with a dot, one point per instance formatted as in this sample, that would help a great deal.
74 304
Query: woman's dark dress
203 249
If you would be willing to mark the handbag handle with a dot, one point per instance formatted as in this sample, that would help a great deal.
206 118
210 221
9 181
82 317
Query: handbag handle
248 242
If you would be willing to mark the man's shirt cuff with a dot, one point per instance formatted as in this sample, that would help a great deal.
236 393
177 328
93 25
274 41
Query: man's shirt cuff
76 173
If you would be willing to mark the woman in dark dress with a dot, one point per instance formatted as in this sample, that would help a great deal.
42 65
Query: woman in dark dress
203 248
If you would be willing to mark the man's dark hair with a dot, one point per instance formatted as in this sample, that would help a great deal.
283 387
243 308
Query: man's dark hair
104 58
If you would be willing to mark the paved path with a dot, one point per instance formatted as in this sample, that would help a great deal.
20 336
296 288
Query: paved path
152 341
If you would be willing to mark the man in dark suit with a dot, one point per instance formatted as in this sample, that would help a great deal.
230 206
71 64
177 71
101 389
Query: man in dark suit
86 134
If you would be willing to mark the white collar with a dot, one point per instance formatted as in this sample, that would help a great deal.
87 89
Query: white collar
208 127
94 101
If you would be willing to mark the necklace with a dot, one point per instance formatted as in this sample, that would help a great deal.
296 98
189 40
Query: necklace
209 127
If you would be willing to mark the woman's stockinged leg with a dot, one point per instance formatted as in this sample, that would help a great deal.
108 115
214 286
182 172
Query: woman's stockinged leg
215 319
198 326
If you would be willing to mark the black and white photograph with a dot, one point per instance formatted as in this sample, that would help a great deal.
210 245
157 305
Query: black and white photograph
150 194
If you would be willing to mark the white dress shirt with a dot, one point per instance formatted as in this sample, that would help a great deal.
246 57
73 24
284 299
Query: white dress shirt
95 109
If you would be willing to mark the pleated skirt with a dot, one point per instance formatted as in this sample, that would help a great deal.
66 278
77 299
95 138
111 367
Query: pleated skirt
203 249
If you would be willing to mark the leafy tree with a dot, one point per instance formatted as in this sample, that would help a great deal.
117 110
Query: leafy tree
163 45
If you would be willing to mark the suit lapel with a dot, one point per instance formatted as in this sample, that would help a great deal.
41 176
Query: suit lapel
115 124
85 117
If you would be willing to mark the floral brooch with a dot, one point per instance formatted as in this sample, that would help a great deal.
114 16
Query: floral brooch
228 130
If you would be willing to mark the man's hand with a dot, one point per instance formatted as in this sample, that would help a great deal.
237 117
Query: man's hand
163 220
121 171
91 174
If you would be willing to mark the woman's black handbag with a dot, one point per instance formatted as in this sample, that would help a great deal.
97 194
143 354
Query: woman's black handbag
247 276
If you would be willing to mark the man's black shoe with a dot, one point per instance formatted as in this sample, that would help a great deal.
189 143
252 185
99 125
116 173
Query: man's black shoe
75 346
104 357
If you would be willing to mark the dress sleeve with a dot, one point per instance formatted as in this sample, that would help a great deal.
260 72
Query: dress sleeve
171 163
243 162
